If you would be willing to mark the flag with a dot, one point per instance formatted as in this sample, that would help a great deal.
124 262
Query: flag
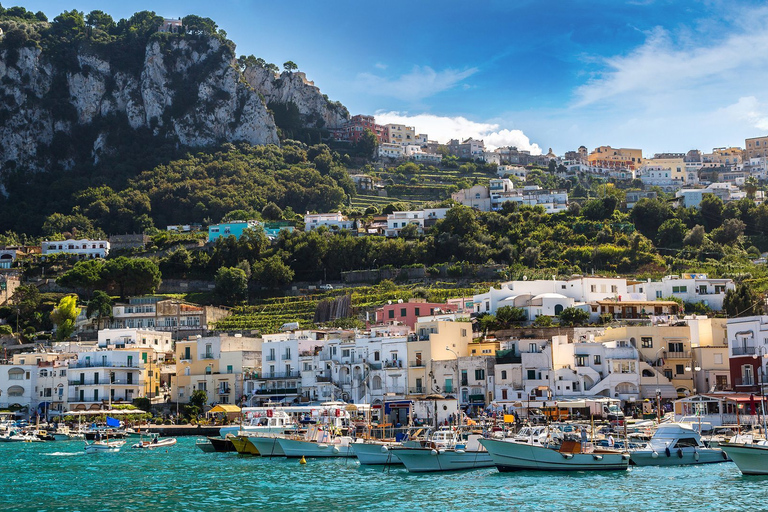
112 422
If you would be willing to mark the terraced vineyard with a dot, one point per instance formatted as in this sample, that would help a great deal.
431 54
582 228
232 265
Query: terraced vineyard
270 314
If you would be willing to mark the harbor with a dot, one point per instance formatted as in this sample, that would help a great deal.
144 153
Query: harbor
59 476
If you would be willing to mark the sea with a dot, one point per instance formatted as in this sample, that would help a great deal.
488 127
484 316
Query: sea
61 476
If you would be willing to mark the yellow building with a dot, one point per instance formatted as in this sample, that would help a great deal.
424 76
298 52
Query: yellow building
710 355
606 157
725 156
483 348
435 340
215 365
676 166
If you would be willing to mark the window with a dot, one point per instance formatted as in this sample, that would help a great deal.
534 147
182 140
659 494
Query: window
646 342
598 360
479 374
668 374
614 288
718 358
403 312
187 354
679 289
747 375
679 369
676 347
417 311
229 368
391 313
345 352
581 360
593 288
534 348
503 394
504 374
531 374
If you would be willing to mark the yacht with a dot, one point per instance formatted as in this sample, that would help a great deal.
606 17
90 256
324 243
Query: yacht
267 444
676 444
379 451
319 441
751 458
264 420
105 446
446 450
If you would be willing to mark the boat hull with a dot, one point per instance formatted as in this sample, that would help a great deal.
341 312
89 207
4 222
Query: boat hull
511 456
247 429
374 454
267 446
162 443
751 459
295 449
222 445
206 447
104 447
422 460
243 447
705 456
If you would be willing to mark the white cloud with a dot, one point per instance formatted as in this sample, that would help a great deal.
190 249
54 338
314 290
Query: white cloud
421 82
443 129
380 65
748 109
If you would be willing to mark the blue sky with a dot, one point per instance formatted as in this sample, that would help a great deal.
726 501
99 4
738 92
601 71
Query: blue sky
657 75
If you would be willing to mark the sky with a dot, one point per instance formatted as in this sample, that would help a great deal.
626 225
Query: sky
659 75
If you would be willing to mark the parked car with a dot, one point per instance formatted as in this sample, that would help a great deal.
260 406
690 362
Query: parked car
326 287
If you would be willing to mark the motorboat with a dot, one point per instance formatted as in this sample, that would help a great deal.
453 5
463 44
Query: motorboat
205 445
98 433
267 445
243 446
263 420
318 441
105 446
15 436
222 444
445 451
676 444
542 435
379 451
155 443
509 455
751 458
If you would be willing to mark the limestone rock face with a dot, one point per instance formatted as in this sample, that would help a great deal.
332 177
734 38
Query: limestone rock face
189 91
293 87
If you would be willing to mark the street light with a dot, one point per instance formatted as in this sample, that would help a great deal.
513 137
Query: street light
658 389
457 365
762 349
695 369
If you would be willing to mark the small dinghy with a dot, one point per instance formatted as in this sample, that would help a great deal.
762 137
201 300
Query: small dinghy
156 443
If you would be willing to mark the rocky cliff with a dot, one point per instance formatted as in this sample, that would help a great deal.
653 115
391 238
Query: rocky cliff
316 110
189 91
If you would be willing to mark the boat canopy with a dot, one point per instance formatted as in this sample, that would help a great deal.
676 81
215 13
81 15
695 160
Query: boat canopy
225 408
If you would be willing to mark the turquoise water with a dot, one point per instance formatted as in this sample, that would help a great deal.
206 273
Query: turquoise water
58 476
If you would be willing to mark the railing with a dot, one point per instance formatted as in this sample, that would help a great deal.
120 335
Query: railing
374 366
744 351
416 364
394 364
465 382
206 356
323 379
224 391
280 375
104 383
286 357
417 390
740 382
76 399
280 391
270 358
685 354
104 364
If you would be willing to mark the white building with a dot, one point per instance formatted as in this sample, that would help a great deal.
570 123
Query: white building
568 293
517 171
280 375
98 377
747 349
692 197
333 220
136 338
688 287
18 385
84 249
655 176
389 150
423 219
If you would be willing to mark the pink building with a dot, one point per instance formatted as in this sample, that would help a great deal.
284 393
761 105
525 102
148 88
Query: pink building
407 313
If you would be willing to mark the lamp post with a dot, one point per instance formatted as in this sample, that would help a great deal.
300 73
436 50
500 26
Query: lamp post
761 350
658 389
696 369
457 365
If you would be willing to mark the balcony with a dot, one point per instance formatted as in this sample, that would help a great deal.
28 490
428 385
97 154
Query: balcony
103 364
685 354
282 391
224 391
465 382
417 391
740 382
374 366
416 364
323 379
106 384
206 356
393 364
286 357
744 351
270 358
280 375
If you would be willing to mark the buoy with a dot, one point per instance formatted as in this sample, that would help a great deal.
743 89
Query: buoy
696 456
335 449
433 452
597 457
303 460
655 455
384 449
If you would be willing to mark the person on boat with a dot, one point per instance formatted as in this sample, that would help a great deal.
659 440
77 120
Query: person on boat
611 441
584 438
154 440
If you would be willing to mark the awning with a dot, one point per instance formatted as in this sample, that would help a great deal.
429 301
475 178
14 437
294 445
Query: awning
225 408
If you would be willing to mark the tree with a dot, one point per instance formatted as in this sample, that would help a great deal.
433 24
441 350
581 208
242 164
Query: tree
711 209
695 236
5 330
742 301
198 399
65 316
231 285
573 316
649 214
729 232
671 234
290 66
272 212
409 232
507 315
99 306
134 276
194 24
272 272
367 144
84 275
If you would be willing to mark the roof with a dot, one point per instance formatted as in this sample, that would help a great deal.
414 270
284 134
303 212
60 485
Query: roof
637 303
550 296
225 408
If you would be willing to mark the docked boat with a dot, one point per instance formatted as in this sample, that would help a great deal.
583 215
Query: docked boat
155 443
15 436
205 445
243 445
445 451
676 444
105 446
267 445
508 455
319 441
372 452
222 444
264 420
751 458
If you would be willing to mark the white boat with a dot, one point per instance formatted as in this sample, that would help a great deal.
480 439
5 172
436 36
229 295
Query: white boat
264 420
267 445
676 444
752 459
452 456
104 446
156 443
373 452
509 455
320 442
14 436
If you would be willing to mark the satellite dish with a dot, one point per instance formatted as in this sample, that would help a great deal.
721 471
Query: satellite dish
525 278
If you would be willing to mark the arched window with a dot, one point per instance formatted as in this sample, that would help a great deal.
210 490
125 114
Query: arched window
15 391
376 382
558 309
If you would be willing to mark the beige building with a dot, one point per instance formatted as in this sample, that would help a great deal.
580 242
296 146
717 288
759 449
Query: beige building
710 355
435 340
755 147
674 164
216 365
606 157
